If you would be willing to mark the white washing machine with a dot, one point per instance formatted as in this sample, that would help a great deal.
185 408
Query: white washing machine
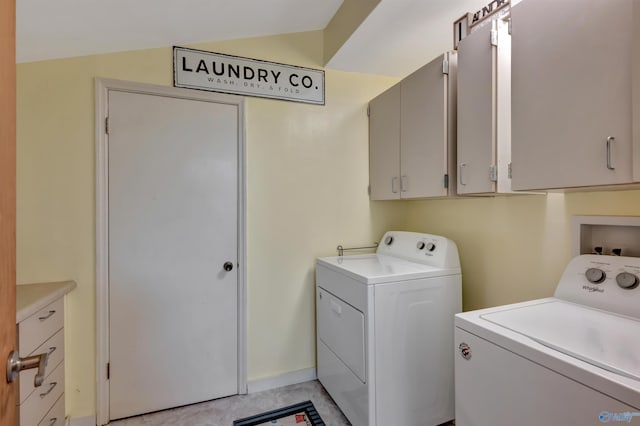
385 330
571 359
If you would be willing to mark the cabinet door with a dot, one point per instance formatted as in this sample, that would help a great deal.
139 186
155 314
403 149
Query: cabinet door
571 93
384 145
423 124
476 126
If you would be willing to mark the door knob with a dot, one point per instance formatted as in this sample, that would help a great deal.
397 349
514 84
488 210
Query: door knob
15 365
228 266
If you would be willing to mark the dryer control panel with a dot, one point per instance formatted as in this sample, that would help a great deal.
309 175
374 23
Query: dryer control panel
417 247
604 282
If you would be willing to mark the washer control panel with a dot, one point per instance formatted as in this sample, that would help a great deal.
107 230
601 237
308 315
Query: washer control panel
604 282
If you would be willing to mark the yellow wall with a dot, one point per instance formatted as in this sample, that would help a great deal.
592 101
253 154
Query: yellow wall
307 169
307 178
514 248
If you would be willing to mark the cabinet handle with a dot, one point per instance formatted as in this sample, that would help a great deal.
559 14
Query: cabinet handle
46 317
53 421
610 140
51 386
52 349
461 174
394 184
404 183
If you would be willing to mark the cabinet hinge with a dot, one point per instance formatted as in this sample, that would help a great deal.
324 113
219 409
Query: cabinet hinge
509 25
108 370
445 66
368 111
106 125
494 37
509 171
369 190
493 173
446 181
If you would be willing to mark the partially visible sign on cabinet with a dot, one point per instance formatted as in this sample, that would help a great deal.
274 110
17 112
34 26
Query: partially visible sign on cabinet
465 24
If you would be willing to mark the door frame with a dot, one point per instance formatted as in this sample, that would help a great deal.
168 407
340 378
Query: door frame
102 88
8 342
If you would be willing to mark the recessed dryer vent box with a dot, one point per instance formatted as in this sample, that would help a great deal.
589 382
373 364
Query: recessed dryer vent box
609 234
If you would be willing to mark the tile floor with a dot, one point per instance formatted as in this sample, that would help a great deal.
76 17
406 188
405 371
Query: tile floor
223 411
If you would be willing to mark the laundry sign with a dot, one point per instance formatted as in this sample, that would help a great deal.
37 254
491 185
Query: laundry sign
215 72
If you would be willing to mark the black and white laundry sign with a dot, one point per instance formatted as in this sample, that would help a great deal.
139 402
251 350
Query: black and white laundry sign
197 69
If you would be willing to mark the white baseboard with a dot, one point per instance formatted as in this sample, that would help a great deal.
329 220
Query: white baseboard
82 421
287 379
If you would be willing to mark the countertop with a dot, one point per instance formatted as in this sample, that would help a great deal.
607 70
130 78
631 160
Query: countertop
30 298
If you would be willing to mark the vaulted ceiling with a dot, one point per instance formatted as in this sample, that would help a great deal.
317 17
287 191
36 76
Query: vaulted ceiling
387 37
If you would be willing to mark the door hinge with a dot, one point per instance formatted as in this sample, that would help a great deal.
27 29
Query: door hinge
108 370
445 66
509 25
368 111
106 125
446 181
493 173
509 171
494 37
369 190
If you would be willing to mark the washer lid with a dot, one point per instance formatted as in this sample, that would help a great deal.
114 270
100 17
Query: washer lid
380 268
606 340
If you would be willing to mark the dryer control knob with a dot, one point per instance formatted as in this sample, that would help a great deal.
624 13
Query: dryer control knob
389 240
431 246
595 275
627 280
420 245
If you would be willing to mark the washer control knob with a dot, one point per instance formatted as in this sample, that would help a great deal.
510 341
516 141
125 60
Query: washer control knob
420 245
595 275
431 247
389 240
627 280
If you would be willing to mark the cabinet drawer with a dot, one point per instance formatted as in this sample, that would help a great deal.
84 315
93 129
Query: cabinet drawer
55 416
55 347
40 326
42 399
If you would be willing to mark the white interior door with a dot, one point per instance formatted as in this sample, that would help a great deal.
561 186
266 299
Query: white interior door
173 215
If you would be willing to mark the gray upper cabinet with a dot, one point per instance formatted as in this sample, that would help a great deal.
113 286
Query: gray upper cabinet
384 145
571 87
412 134
484 109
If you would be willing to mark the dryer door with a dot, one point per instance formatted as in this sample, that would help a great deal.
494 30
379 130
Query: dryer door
341 328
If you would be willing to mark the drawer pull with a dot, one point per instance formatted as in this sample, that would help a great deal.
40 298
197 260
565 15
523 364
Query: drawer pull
46 317
52 349
51 386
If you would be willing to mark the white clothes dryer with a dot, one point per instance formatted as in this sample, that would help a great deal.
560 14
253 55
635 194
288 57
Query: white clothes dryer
385 330
571 359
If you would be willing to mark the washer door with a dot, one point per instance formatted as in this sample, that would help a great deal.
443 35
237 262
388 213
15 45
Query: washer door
341 328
